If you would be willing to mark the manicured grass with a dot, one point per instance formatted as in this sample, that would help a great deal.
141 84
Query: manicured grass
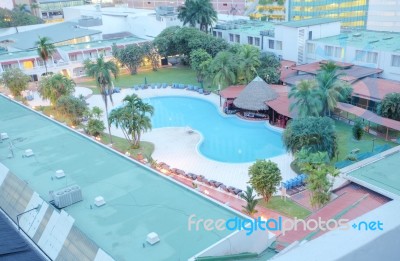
179 74
287 207
121 144
347 143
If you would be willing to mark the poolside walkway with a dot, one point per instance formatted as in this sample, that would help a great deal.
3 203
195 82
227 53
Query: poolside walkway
177 147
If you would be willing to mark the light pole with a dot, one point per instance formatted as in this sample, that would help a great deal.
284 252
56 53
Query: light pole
37 208
219 94
373 144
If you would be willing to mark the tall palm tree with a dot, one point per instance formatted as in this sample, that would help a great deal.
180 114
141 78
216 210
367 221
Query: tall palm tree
198 12
332 89
223 69
249 61
54 86
45 49
102 72
307 99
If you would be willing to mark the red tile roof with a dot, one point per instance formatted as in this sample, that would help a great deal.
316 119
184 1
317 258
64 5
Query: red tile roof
375 88
232 92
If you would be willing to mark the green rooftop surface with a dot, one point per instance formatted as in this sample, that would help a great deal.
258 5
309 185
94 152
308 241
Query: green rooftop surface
308 22
382 174
248 26
138 201
365 40
68 48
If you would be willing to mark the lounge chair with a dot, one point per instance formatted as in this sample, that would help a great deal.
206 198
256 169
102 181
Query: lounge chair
164 85
190 87
158 85
195 88
206 92
136 87
201 91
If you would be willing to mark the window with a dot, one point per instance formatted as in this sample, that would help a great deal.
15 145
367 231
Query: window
310 48
250 40
338 52
328 50
220 34
396 60
310 35
231 37
278 45
372 57
214 33
73 57
237 38
271 44
366 57
257 41
360 56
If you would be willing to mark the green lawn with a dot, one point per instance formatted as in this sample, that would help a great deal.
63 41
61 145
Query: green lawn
347 143
287 207
146 148
179 74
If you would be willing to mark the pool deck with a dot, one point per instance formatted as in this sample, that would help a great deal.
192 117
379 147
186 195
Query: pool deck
178 148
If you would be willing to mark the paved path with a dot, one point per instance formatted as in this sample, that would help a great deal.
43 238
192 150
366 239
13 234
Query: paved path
177 148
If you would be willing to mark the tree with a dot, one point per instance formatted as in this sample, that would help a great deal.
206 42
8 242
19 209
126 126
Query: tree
72 107
199 61
306 98
133 118
269 69
318 177
311 133
54 86
331 87
223 69
131 56
96 112
150 52
249 61
165 41
15 18
102 72
357 130
390 106
15 80
198 12
45 49
95 127
251 202
265 176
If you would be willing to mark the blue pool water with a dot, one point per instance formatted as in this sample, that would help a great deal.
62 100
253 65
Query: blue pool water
226 139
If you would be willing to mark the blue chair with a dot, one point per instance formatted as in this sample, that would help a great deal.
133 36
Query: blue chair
201 91
153 86
195 88
164 85
181 86
190 87
158 85
136 87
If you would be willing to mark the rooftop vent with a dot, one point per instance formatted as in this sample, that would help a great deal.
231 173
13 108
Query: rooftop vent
99 201
60 174
28 153
343 37
357 35
374 41
66 196
388 38
3 136
152 238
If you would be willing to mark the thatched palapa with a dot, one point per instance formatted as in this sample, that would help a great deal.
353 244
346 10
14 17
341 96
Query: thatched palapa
254 96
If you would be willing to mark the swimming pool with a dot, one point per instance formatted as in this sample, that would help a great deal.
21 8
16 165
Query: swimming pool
138 200
226 139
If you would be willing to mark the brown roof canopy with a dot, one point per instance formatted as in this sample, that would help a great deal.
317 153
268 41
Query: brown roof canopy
254 96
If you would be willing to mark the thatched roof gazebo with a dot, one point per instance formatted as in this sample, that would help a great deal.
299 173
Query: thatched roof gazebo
254 96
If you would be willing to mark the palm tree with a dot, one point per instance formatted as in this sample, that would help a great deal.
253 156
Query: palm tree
102 72
307 99
223 69
332 89
54 86
249 61
250 208
45 49
198 12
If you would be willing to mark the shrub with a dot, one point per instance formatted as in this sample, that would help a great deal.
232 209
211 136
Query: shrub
95 127
358 130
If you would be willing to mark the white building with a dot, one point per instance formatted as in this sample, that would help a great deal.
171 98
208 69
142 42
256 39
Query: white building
140 22
384 15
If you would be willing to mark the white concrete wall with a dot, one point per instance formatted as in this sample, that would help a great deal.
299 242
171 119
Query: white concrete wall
384 15
288 36
239 242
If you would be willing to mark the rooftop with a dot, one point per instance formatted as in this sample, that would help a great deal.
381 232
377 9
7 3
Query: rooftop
245 26
59 32
308 22
375 88
365 40
139 201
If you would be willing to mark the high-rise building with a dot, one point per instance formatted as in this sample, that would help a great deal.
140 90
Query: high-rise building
352 13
